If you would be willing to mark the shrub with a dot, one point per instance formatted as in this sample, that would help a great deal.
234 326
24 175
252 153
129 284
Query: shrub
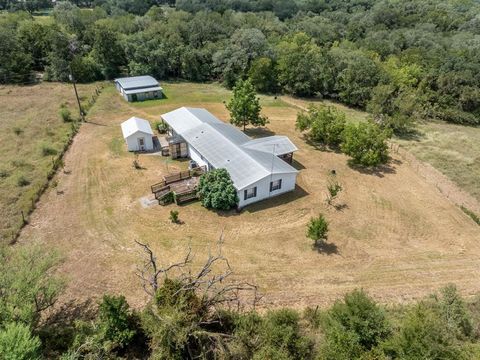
161 127
216 190
334 189
174 216
23 181
325 124
17 130
18 343
115 321
366 143
317 229
47 150
4 173
65 114
353 326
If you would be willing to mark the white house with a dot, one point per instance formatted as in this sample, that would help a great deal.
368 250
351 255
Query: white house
137 134
259 168
139 88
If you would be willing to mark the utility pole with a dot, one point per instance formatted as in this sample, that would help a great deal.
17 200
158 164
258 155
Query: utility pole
72 79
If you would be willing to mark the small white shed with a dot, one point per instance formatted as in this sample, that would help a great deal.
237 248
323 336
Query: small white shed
137 134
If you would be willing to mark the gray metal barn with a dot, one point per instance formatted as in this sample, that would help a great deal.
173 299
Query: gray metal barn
139 88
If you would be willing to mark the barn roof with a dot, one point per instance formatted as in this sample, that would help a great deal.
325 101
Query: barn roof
135 124
224 146
137 82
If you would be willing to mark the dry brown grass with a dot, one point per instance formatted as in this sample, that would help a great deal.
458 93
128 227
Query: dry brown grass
29 122
396 235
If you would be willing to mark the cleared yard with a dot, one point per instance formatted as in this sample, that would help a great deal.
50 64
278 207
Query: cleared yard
31 132
395 236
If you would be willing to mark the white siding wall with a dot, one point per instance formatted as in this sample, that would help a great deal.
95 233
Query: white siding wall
263 188
132 141
195 156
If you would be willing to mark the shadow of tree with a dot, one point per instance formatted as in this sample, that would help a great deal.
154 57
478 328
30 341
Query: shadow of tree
379 171
325 248
259 132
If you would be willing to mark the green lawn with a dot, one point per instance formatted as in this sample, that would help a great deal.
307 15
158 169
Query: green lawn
452 149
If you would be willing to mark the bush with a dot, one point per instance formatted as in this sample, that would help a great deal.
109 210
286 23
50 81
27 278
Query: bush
4 173
354 326
23 181
174 216
47 150
115 321
366 143
317 229
18 343
334 189
18 131
325 124
161 127
65 114
216 190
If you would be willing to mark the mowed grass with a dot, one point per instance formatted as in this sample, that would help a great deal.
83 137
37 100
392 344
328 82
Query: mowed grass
393 234
31 135
452 149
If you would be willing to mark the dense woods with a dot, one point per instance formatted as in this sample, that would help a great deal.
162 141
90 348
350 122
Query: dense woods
400 60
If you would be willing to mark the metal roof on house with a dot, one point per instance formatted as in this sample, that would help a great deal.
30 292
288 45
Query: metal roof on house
134 124
281 145
224 146
136 82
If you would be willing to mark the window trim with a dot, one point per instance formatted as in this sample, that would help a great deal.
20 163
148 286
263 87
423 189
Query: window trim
279 181
246 196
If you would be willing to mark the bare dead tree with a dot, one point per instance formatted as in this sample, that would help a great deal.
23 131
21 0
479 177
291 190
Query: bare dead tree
212 288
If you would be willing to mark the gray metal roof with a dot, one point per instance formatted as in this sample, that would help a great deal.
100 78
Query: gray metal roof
280 144
136 82
134 124
223 146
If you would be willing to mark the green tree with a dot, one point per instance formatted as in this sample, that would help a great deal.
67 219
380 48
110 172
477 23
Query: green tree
216 190
244 106
115 321
455 312
366 143
26 284
263 75
18 343
325 124
317 229
354 326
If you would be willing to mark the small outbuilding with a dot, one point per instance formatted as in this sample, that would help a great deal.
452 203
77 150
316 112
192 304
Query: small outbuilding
137 134
139 88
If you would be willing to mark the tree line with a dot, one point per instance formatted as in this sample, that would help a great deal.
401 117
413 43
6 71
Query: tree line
202 313
402 61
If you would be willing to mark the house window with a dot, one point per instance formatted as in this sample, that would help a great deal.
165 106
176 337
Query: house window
275 185
250 193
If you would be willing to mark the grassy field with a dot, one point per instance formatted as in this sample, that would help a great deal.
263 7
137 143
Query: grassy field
452 149
395 235
31 135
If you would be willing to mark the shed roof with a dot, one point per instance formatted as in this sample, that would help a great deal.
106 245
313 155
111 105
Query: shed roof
136 82
224 146
135 124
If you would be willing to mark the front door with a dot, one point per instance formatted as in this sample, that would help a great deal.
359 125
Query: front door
141 144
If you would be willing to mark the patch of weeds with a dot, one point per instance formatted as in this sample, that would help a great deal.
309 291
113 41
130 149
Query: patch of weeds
174 216
47 150
21 164
116 146
4 174
470 213
18 130
22 181
65 114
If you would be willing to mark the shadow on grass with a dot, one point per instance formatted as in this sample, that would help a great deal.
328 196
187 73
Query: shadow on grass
282 199
411 135
325 248
322 147
297 165
379 171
